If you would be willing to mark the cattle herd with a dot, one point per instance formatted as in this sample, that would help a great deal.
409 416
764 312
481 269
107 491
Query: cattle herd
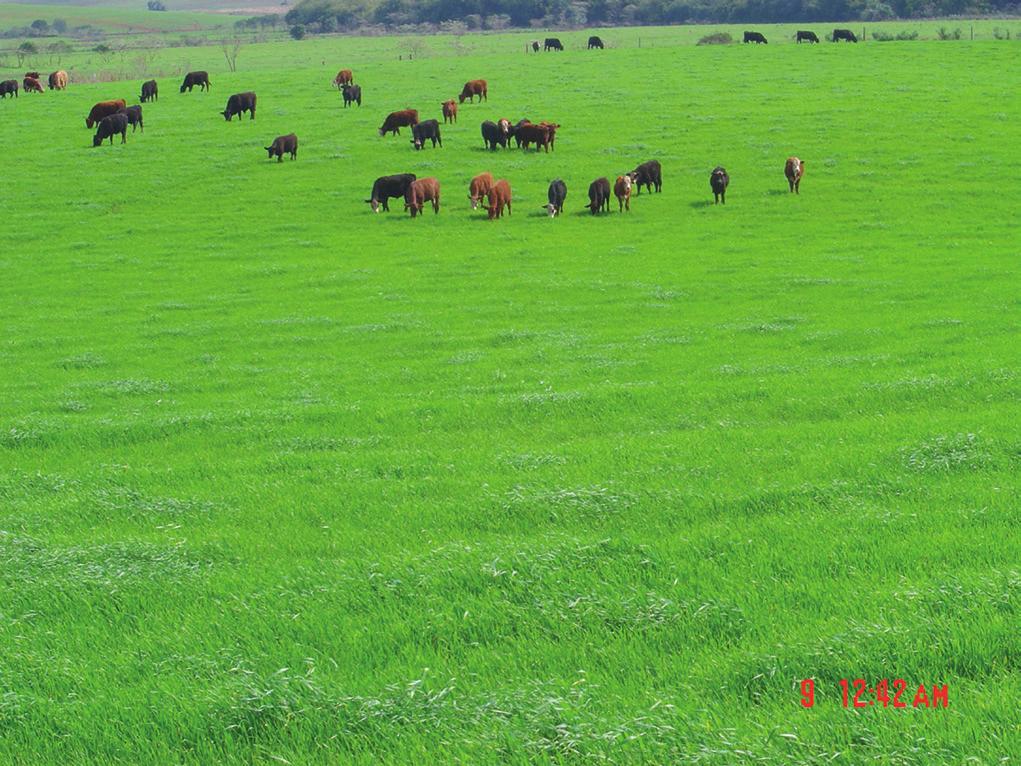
112 118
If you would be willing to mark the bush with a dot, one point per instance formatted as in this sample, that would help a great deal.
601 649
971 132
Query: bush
949 34
717 38
298 31
883 37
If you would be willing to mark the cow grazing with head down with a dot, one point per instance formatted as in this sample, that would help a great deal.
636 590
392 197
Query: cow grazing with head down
648 174
556 194
9 88
352 94
474 88
622 190
844 34
150 91
238 104
754 37
195 78
499 198
599 196
595 42
386 188
719 181
134 115
449 111
535 46
102 109
58 80
492 134
553 44
397 120
344 77
283 145
793 169
427 130
806 36
421 191
31 84
109 127
479 188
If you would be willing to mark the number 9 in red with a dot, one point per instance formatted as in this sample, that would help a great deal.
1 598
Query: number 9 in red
807 693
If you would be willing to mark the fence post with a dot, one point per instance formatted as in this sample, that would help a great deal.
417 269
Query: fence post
972 31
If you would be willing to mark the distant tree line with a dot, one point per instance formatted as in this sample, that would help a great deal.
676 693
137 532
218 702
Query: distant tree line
349 15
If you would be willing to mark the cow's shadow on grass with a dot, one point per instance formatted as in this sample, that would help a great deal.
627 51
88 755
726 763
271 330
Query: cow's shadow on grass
778 192
700 203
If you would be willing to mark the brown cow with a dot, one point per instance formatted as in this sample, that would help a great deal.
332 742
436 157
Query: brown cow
32 84
479 188
33 75
553 128
499 196
344 77
421 191
397 120
537 134
58 80
622 188
794 169
104 109
474 88
449 111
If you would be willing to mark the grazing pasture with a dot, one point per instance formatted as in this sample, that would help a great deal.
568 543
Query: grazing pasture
286 481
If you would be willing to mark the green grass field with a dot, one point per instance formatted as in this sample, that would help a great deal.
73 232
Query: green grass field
282 481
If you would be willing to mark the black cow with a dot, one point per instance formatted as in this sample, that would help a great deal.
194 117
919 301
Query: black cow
352 94
599 195
553 44
492 135
109 127
283 145
535 46
719 181
9 87
134 115
807 36
389 187
195 78
427 130
595 42
754 37
648 174
844 34
238 104
557 194
150 92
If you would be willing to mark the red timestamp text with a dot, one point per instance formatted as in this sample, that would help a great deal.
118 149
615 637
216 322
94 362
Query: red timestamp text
898 694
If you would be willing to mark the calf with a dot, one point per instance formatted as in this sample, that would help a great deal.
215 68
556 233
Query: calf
397 120
599 196
421 191
479 188
134 115
109 127
806 36
103 109
595 42
9 88
449 111
474 88
844 34
344 77
556 194
283 145
58 80
553 44
754 37
492 135
648 174
719 180
386 188
352 94
31 84
238 104
150 91
195 78
499 197
794 168
622 189
427 130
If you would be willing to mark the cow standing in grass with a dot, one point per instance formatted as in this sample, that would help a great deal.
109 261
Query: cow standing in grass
58 80
556 194
622 190
427 130
718 182
754 37
195 78
793 169
421 191
386 188
648 174
344 77
109 127
283 145
238 104
844 34
134 115
352 94
150 91
32 85
599 196
499 198
479 188
449 111
103 109
595 42
474 88
9 88
397 120
806 36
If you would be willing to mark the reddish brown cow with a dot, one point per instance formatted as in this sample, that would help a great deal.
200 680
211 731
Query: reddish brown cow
474 88
397 120
104 109
344 77
499 197
421 191
552 127
622 188
534 134
58 80
794 169
479 188
449 111
32 84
